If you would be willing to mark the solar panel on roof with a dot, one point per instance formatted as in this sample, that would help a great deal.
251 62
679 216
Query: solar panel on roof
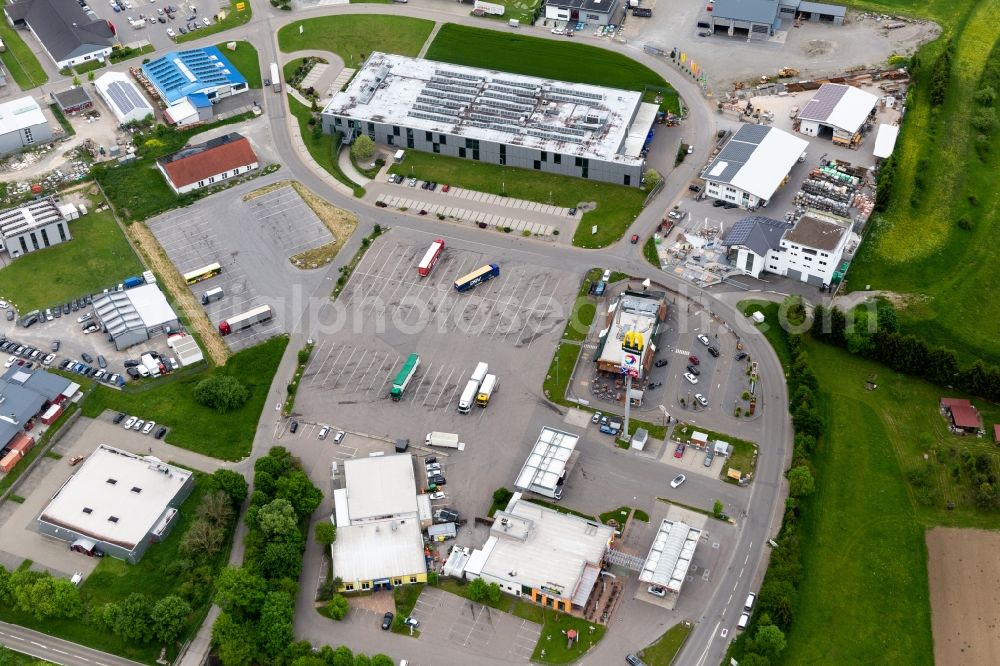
752 133
125 97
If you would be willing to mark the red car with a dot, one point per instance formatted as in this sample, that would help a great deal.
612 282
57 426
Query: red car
635 238
679 451
694 359
446 188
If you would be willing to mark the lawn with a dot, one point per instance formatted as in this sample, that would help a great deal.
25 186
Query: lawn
9 657
194 426
560 372
233 18
649 252
917 247
617 205
62 120
562 60
245 59
321 148
353 37
97 256
18 59
520 10
663 651
771 327
744 453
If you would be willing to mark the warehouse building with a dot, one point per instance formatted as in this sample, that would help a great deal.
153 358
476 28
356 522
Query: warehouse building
22 125
553 558
73 100
591 12
759 19
569 129
379 542
549 463
34 226
192 109
752 165
26 395
179 74
837 112
117 503
67 33
808 251
123 97
669 558
206 164
639 314
135 315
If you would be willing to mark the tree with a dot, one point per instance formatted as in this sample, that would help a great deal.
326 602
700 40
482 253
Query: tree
478 589
493 593
299 490
216 507
281 559
231 483
277 520
800 481
221 393
203 539
236 642
337 607
275 627
169 616
770 640
363 148
501 497
343 656
362 660
130 618
43 596
381 660
325 533
754 659
777 599
718 508
239 592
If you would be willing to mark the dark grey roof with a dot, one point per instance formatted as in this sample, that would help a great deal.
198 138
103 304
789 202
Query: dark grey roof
736 153
118 314
822 8
757 233
821 106
815 233
46 384
754 11
74 97
17 405
597 6
62 26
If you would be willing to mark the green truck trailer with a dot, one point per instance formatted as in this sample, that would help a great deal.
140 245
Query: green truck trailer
404 376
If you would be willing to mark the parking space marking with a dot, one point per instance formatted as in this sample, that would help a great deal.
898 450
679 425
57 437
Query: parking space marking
429 393
382 371
357 366
334 364
336 380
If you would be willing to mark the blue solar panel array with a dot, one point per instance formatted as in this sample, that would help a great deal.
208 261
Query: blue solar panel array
211 70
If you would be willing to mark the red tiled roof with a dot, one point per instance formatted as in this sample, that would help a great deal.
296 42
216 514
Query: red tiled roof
210 162
964 416
955 402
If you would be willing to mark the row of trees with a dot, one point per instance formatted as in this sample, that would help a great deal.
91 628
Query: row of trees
258 599
778 596
876 335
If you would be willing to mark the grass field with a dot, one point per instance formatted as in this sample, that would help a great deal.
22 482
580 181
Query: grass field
194 426
770 328
617 205
321 148
508 51
520 10
18 59
917 247
663 651
245 59
353 37
233 19
97 256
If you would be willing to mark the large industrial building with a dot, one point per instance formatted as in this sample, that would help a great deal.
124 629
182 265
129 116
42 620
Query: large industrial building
669 558
379 544
26 395
22 125
67 33
206 164
553 558
123 97
636 312
34 226
569 129
135 315
752 165
549 463
591 12
837 112
205 71
759 19
809 251
117 503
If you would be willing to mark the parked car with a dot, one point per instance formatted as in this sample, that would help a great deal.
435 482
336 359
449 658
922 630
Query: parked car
709 457
660 362
295 426
413 182
702 400
129 422
703 339
131 363
87 358
691 378
679 451
437 480
10 315
439 495
634 239
718 203
740 356
160 433
324 431
657 591
714 351
75 460
693 370
633 660
85 317
101 361
693 359
596 418
48 359
339 437
138 425
387 620
146 429
680 478
119 418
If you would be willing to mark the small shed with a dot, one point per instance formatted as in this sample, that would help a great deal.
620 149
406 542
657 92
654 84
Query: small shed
51 414
73 100
9 461
22 443
639 439
723 448
699 439
963 415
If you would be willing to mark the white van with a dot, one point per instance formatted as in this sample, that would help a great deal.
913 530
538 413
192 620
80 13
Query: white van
744 621
748 606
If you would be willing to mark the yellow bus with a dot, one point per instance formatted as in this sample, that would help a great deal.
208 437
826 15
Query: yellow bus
203 273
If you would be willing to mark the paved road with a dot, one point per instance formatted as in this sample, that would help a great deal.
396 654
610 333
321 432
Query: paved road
56 650
635 624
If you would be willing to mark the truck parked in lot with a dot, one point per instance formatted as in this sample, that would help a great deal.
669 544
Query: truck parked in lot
490 386
212 295
468 396
132 281
245 320
479 374
446 440
404 376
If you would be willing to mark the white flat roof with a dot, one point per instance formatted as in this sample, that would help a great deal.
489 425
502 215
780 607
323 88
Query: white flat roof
380 549
17 114
151 305
341 517
670 555
842 106
757 159
639 129
632 313
547 460
553 552
885 140
543 114
380 486
111 483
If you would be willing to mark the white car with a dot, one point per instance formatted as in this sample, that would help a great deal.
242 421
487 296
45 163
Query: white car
413 182
703 339
48 359
138 425
339 437
129 422
607 275
85 317
656 590
324 431
206 21
4 305
701 399
146 429
439 495
10 361
170 33
691 378
433 469
558 31
678 480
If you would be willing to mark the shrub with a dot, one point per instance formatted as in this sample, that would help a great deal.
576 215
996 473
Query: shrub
363 148
337 607
221 393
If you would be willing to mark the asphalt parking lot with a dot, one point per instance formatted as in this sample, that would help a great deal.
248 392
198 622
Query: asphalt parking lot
252 241
155 33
